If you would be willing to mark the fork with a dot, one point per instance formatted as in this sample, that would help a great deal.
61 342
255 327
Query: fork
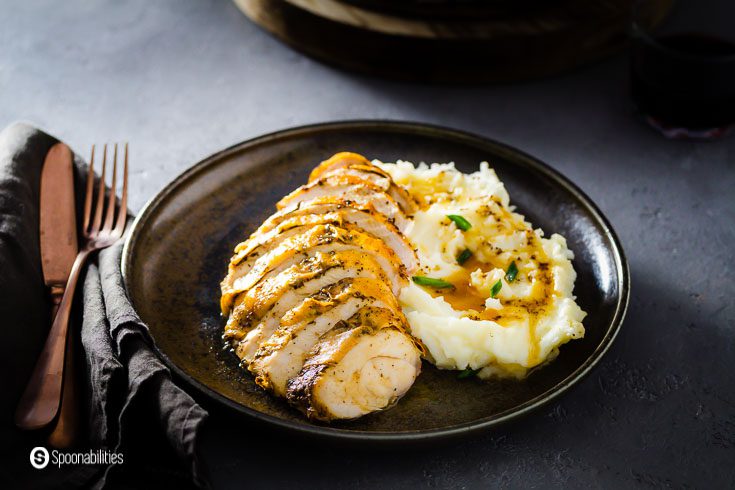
40 402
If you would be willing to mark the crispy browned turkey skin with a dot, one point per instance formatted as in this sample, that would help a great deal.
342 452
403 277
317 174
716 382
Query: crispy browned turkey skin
310 296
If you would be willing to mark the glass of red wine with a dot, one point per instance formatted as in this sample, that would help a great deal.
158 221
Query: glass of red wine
683 69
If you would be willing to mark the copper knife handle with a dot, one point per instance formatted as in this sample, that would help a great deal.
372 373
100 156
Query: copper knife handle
65 430
40 402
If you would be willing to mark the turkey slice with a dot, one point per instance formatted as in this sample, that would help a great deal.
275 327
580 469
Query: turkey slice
347 187
321 238
258 312
281 357
345 217
363 367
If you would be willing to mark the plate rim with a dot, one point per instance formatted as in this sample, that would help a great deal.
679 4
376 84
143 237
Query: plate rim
427 129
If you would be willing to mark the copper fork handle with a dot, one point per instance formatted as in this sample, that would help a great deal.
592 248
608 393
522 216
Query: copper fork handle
40 402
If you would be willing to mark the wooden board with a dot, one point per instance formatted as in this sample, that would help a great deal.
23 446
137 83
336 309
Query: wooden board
531 40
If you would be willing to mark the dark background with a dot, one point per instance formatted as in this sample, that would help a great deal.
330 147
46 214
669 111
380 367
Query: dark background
183 79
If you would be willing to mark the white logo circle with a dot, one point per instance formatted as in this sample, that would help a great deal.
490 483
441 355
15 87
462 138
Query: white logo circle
39 457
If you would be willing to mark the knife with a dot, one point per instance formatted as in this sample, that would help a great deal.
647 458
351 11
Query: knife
58 243
64 433
57 221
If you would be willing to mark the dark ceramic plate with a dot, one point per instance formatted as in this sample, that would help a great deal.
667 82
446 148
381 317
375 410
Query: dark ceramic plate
181 242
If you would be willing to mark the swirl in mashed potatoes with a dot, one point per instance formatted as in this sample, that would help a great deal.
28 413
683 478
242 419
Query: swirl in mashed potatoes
474 325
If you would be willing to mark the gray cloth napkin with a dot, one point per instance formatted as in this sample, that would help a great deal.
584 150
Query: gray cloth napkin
131 404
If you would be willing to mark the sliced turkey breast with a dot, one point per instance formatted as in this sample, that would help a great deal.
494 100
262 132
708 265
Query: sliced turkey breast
320 238
249 306
373 224
322 205
282 355
374 174
364 365
258 312
311 295
380 179
346 187
338 160
330 204
354 164
248 252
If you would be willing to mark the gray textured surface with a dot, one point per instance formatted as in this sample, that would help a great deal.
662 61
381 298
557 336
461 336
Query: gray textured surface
182 79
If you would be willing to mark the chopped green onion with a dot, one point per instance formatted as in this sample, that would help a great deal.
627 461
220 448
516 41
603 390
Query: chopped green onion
460 221
431 282
468 373
512 272
496 288
464 256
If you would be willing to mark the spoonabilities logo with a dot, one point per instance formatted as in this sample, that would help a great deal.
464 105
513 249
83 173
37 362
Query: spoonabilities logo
39 457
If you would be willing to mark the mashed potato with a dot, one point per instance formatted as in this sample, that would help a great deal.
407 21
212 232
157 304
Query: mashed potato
501 301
